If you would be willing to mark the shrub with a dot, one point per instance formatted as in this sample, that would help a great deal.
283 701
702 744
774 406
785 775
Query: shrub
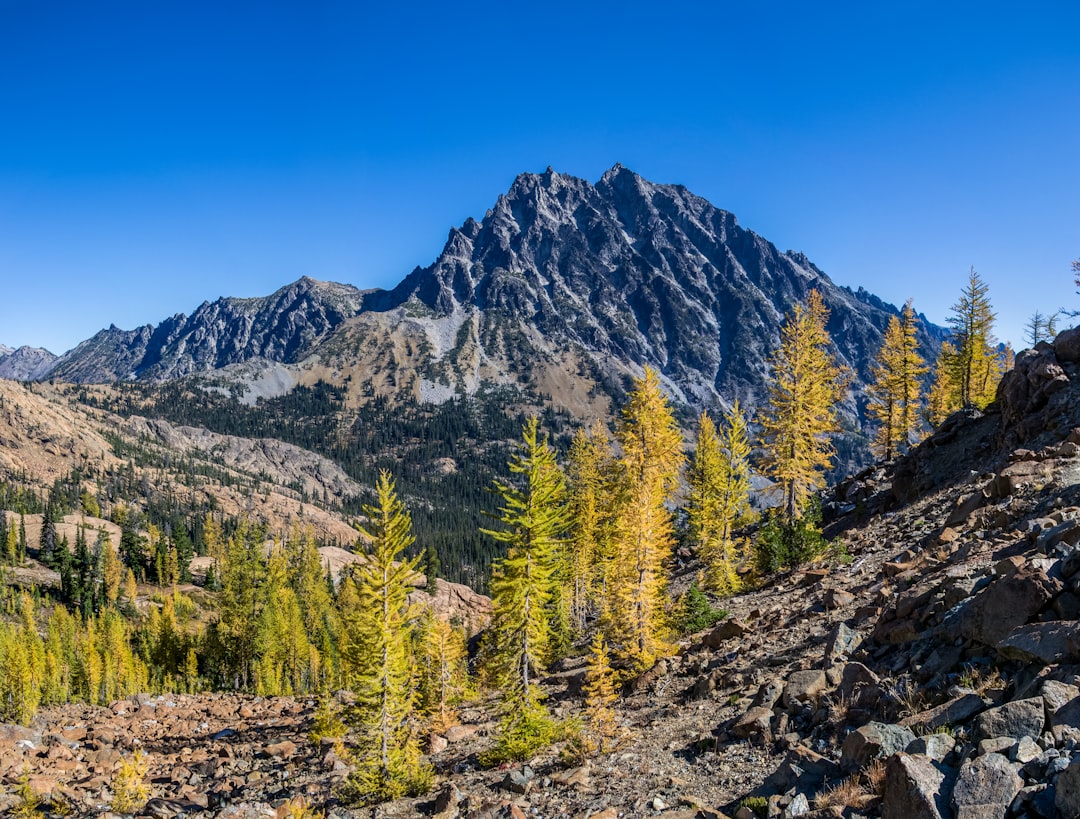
783 545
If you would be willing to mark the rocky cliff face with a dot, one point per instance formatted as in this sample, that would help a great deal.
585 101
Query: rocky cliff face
642 273
279 327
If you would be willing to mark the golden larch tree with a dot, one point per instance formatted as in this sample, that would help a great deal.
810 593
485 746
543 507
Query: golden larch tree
648 475
586 549
894 392
800 418
533 520
974 363
378 649
719 498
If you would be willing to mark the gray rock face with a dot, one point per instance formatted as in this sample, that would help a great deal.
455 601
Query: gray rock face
914 789
25 363
279 327
650 274
985 788
1020 718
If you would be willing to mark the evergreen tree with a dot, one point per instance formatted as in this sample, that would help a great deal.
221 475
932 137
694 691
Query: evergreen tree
800 418
321 621
974 367
894 393
287 663
388 763
533 520
47 540
648 474
719 496
1041 328
242 571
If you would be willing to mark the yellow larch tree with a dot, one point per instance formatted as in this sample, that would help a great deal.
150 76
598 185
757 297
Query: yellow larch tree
800 417
719 479
648 475
533 520
443 665
600 696
586 549
974 364
378 652
943 399
894 392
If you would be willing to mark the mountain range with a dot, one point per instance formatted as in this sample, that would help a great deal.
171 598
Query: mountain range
561 291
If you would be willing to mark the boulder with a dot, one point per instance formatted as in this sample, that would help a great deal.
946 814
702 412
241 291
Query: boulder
873 740
1067 796
1020 718
804 687
934 746
985 788
1065 721
915 788
1057 641
842 641
957 710
727 630
757 722
1067 346
1005 604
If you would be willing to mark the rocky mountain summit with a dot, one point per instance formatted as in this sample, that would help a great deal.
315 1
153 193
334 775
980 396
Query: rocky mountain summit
562 290
25 363
930 668
638 273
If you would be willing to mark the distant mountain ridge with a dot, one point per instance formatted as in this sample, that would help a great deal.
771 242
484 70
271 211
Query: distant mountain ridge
25 363
561 281
227 331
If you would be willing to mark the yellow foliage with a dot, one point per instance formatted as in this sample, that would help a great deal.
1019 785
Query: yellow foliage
130 791
800 418
648 475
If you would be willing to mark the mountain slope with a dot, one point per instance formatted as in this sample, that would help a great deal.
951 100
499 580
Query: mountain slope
278 327
25 363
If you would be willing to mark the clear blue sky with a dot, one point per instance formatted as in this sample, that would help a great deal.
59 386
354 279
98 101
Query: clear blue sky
157 154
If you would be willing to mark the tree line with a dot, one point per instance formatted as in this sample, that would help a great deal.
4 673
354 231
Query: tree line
586 551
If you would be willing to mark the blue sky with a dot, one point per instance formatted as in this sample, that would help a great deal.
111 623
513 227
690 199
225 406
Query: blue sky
157 154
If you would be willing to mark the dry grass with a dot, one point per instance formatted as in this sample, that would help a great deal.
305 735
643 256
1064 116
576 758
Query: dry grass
857 791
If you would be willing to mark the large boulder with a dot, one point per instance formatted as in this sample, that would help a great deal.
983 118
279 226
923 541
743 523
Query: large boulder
1026 388
1020 718
1057 641
1007 603
915 788
873 740
985 788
